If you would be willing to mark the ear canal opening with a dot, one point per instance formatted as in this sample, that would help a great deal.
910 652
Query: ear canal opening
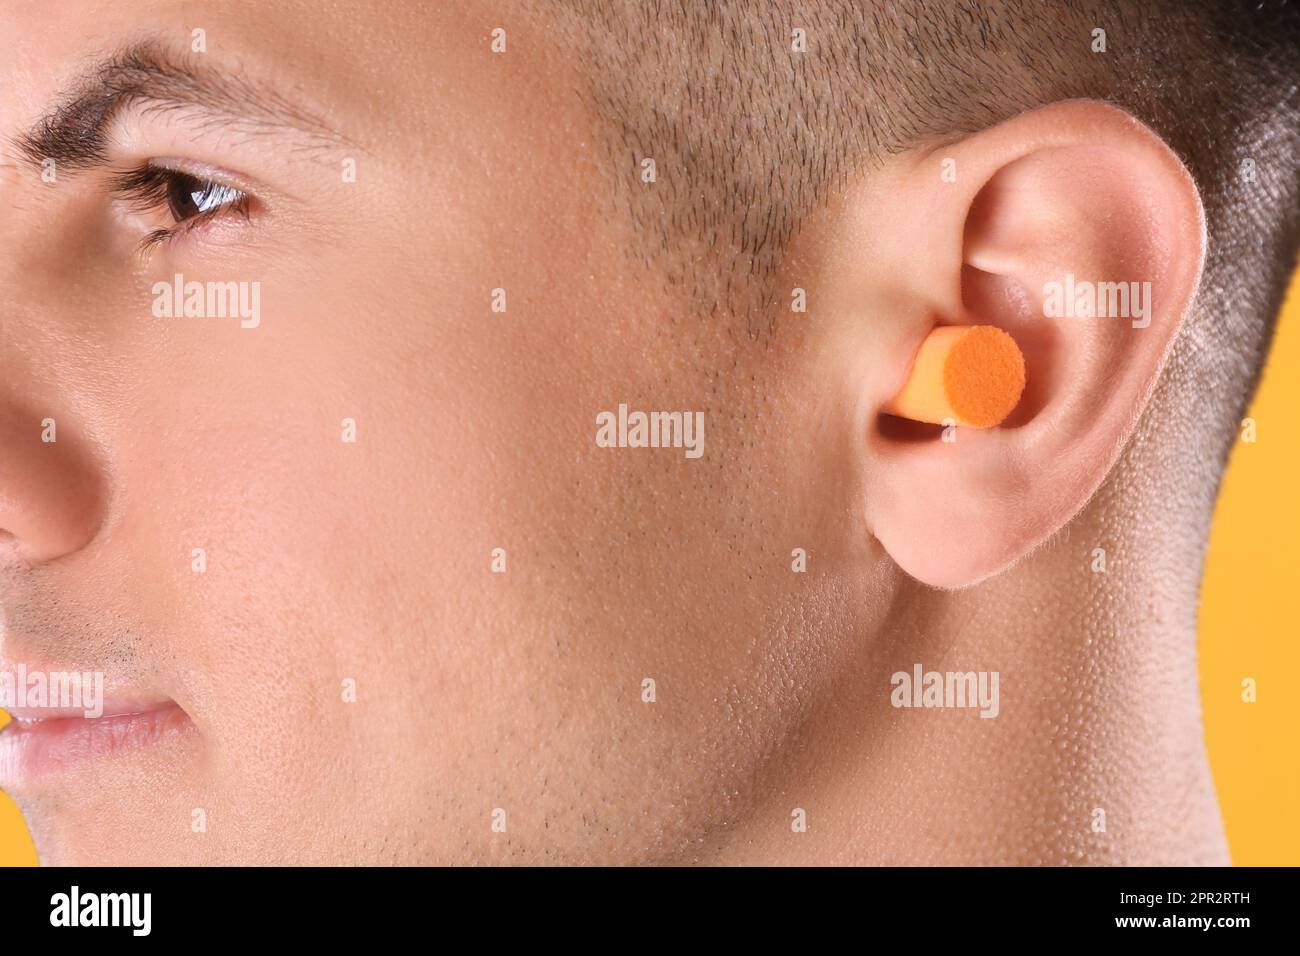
905 431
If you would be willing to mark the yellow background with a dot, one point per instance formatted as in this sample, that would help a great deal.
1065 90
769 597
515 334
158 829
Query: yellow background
1250 619
1250 627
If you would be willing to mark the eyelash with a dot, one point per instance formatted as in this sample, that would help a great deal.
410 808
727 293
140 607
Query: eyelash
150 188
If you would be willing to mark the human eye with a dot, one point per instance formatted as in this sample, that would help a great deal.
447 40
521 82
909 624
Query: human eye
176 202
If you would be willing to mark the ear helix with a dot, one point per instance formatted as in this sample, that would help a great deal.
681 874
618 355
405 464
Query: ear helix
973 375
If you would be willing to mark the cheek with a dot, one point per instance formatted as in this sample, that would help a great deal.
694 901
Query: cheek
348 468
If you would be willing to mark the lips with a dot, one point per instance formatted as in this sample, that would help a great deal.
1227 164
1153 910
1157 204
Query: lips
43 741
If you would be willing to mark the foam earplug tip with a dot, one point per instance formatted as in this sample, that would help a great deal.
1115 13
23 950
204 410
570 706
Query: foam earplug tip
973 375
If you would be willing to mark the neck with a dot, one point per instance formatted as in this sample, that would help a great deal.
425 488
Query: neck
1096 755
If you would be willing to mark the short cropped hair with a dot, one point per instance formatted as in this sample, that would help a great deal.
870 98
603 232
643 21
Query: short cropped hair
749 136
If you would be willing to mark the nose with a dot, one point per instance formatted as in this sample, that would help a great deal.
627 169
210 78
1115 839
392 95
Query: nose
50 501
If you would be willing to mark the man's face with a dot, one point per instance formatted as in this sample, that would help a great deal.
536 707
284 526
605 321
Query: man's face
286 524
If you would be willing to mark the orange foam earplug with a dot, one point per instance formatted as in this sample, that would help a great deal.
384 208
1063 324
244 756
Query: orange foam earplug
971 374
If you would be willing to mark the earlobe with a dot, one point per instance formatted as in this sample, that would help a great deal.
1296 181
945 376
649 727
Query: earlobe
1080 235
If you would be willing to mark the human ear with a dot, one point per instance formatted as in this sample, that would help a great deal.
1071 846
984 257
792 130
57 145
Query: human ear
1044 226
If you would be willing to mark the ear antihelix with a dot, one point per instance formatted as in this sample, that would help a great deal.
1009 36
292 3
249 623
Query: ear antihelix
972 375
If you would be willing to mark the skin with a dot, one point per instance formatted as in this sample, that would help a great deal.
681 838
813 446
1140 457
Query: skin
370 562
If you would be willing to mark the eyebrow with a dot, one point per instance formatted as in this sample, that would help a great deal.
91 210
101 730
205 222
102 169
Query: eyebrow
75 134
